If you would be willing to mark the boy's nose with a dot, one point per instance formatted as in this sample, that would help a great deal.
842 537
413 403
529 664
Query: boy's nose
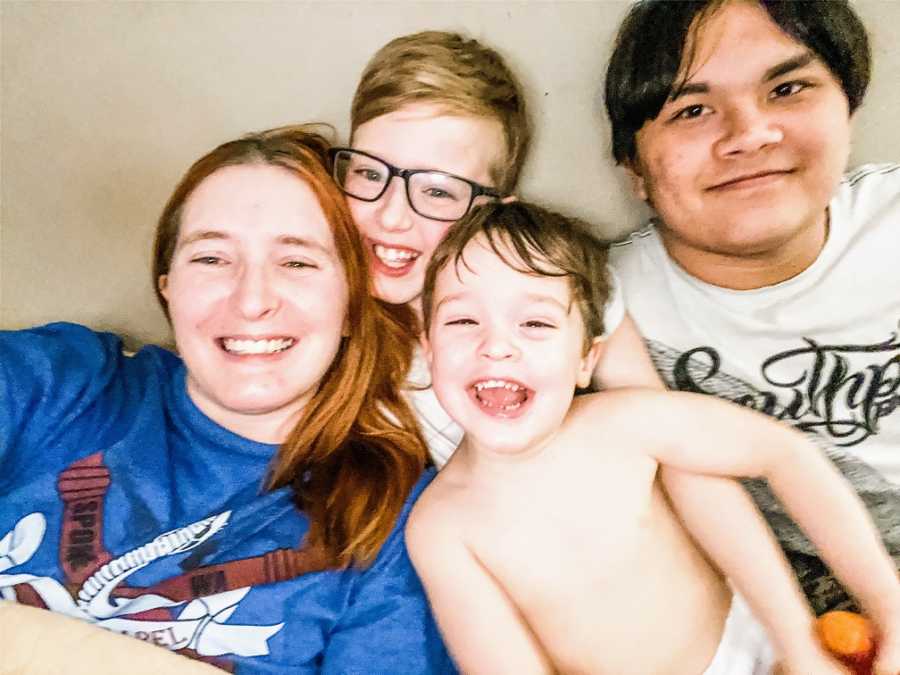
748 129
395 214
498 346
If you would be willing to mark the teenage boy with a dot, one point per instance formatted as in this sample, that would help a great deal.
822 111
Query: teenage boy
767 277
546 543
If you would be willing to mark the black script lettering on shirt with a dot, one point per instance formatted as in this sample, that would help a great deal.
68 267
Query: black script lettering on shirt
824 394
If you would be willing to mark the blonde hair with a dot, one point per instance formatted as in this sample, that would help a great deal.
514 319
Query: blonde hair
460 75
355 454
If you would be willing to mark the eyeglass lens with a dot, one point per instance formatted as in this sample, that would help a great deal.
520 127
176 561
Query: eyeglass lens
431 194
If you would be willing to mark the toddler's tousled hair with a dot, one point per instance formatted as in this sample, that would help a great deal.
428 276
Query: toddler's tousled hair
531 240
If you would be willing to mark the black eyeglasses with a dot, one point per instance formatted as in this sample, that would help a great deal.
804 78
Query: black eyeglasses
431 194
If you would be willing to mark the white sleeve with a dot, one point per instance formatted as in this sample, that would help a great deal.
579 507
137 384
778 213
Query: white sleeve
441 433
614 309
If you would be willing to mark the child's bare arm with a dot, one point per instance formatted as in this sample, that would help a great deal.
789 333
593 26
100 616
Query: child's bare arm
483 630
736 534
625 361
704 435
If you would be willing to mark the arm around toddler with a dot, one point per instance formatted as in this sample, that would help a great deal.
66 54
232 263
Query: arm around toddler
696 434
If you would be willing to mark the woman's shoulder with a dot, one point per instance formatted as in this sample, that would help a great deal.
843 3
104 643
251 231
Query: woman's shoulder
58 353
64 378
56 357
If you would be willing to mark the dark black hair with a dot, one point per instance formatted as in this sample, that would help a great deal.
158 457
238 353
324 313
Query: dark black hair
650 47
531 240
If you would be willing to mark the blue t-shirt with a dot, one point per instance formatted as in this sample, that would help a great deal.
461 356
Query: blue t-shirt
123 505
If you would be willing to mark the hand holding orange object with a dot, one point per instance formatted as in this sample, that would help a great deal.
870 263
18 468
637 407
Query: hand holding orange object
850 637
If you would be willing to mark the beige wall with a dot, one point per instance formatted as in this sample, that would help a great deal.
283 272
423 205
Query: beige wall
104 105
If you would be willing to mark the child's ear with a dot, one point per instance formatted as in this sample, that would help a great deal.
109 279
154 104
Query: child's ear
589 362
636 180
426 347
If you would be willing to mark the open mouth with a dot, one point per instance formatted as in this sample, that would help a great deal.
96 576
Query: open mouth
501 398
394 260
244 347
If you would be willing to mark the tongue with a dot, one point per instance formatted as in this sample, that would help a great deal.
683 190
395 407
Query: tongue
499 397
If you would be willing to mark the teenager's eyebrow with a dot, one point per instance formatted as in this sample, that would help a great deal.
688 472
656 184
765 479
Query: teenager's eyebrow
776 71
785 67
688 89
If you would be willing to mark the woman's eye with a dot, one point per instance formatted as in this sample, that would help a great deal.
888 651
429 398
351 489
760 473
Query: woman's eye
300 264
691 112
536 323
789 89
461 322
208 260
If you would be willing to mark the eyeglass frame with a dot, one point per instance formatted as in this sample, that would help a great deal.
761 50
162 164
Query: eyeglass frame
477 188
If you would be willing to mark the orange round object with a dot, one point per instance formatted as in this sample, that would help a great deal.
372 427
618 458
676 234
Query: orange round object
850 637
846 633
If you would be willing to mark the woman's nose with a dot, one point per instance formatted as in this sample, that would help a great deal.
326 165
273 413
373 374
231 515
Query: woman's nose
254 294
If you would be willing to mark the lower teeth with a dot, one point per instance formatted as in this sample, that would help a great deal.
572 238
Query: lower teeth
511 406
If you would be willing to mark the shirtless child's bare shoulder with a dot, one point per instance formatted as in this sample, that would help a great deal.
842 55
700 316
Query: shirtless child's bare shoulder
437 527
437 535
437 510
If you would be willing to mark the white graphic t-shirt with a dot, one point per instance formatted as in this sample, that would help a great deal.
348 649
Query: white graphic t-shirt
820 350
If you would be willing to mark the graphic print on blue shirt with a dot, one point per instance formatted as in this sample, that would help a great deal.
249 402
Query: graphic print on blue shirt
189 612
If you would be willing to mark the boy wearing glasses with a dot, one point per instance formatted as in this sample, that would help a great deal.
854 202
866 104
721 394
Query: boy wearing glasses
429 101
438 125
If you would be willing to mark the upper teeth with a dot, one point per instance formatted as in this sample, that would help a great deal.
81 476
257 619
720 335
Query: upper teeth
394 256
256 346
494 384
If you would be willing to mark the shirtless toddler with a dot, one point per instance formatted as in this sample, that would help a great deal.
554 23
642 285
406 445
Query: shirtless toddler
547 544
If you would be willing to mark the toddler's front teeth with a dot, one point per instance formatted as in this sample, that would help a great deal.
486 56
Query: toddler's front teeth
496 384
